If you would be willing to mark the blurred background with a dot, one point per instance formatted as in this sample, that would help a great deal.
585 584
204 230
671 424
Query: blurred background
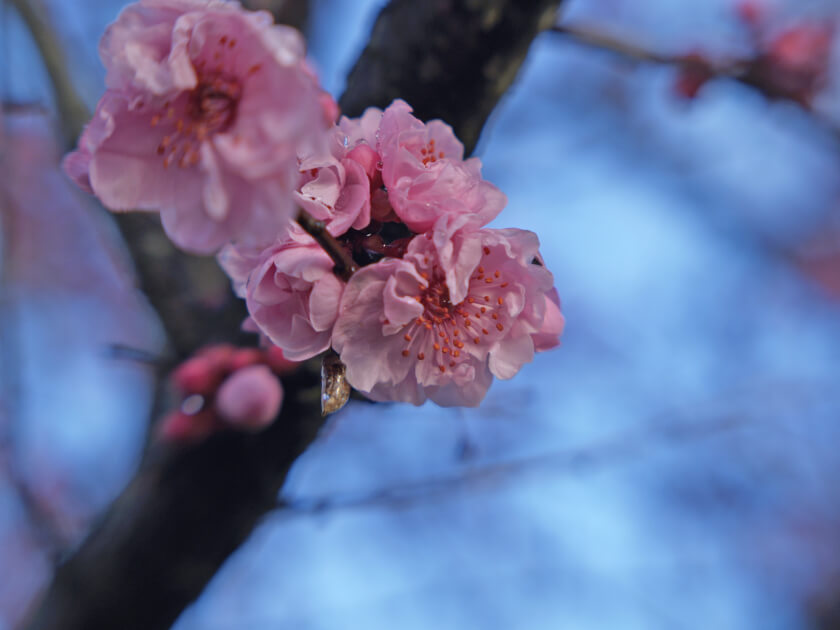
673 465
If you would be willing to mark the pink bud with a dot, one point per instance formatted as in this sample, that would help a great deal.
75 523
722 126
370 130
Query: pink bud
218 356
198 375
364 155
278 362
250 398
243 358
178 426
750 12
693 75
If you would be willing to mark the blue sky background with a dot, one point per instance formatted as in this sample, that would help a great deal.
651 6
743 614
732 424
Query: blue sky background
672 465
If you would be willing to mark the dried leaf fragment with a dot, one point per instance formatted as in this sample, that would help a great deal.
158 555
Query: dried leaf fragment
335 390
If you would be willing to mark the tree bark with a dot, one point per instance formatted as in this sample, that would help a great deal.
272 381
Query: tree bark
189 508
449 59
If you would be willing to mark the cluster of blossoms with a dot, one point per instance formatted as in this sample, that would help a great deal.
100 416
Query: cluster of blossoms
213 118
226 387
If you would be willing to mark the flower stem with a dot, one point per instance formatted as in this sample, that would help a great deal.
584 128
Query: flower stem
344 265
73 112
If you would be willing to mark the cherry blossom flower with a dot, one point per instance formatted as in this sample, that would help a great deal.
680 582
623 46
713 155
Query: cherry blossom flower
291 292
424 171
207 108
441 326
335 187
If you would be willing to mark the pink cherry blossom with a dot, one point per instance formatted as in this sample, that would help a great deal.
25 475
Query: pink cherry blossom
335 187
362 130
440 326
426 176
250 398
291 292
207 109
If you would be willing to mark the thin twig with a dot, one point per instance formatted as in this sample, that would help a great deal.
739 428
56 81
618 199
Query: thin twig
596 39
344 265
749 72
613 450
72 110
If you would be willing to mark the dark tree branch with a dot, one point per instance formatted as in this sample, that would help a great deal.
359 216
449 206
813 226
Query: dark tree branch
449 59
172 528
191 294
344 265
189 508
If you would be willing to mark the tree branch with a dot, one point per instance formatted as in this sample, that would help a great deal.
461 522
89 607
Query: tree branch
631 50
344 265
759 72
188 508
73 112
184 513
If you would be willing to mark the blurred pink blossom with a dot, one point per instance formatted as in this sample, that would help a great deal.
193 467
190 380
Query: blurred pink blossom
250 398
207 109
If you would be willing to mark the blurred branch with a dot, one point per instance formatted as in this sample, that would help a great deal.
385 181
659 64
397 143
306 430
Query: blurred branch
191 294
72 110
631 50
38 518
762 72
188 508
613 451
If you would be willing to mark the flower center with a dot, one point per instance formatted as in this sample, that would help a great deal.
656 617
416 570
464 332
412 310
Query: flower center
212 104
445 328
195 116
207 109
430 154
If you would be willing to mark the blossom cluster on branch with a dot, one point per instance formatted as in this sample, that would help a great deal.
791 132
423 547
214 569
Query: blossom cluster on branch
790 63
213 117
